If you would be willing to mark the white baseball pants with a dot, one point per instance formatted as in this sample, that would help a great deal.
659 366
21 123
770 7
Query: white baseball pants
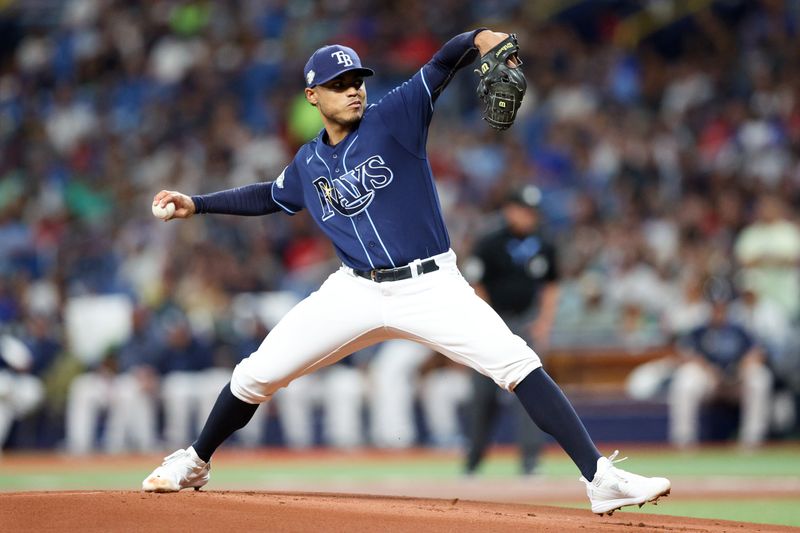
442 392
132 413
393 375
348 313
339 389
20 395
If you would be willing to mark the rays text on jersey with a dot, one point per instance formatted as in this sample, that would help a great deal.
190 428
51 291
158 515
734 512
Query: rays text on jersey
352 192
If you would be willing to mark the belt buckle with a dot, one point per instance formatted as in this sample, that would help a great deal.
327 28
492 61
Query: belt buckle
373 275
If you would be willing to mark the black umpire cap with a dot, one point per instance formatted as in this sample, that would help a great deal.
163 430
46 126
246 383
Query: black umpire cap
526 196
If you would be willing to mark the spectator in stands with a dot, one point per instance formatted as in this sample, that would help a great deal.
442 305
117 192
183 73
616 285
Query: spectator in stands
720 360
99 100
634 283
769 252
689 310
683 313
586 317
764 319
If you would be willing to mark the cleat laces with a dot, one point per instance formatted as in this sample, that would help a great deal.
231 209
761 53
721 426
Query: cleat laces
613 458
174 456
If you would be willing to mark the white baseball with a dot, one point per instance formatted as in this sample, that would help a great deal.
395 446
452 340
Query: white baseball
164 212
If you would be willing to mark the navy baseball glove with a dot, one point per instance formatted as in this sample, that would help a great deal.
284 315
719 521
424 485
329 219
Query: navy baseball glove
501 86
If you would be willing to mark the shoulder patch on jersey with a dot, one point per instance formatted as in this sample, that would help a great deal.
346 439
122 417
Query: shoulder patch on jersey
279 181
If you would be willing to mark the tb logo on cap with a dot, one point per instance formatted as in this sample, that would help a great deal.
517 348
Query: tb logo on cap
342 58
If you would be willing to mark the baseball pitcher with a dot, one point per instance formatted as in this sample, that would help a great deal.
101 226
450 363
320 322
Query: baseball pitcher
366 181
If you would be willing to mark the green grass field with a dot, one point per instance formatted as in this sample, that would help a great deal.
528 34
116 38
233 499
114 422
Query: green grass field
781 512
774 469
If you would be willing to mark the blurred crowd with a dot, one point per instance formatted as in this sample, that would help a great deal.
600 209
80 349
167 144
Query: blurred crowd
666 146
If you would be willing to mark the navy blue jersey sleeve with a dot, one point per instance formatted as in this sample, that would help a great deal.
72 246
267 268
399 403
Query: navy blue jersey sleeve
251 200
407 110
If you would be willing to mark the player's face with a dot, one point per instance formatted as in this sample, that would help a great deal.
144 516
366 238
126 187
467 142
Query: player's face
719 313
341 100
521 219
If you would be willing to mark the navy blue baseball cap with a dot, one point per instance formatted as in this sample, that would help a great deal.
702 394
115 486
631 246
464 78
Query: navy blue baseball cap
330 61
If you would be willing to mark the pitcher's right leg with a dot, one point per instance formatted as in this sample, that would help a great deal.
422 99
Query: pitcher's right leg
343 316
442 311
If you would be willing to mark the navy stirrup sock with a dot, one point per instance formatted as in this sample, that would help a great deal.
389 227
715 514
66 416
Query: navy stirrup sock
552 412
228 415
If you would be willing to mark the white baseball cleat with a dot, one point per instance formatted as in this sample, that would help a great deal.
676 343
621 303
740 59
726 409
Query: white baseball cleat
613 488
180 470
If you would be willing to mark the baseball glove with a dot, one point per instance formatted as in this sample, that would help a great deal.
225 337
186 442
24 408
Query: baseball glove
501 87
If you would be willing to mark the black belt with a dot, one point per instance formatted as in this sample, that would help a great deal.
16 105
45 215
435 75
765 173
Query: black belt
379 275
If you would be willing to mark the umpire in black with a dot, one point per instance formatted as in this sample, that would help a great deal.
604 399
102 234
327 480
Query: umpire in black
514 269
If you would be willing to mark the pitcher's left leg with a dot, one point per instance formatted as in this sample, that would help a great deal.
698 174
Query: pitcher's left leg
445 313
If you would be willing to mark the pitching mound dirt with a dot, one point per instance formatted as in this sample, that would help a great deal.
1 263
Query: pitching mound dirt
108 511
